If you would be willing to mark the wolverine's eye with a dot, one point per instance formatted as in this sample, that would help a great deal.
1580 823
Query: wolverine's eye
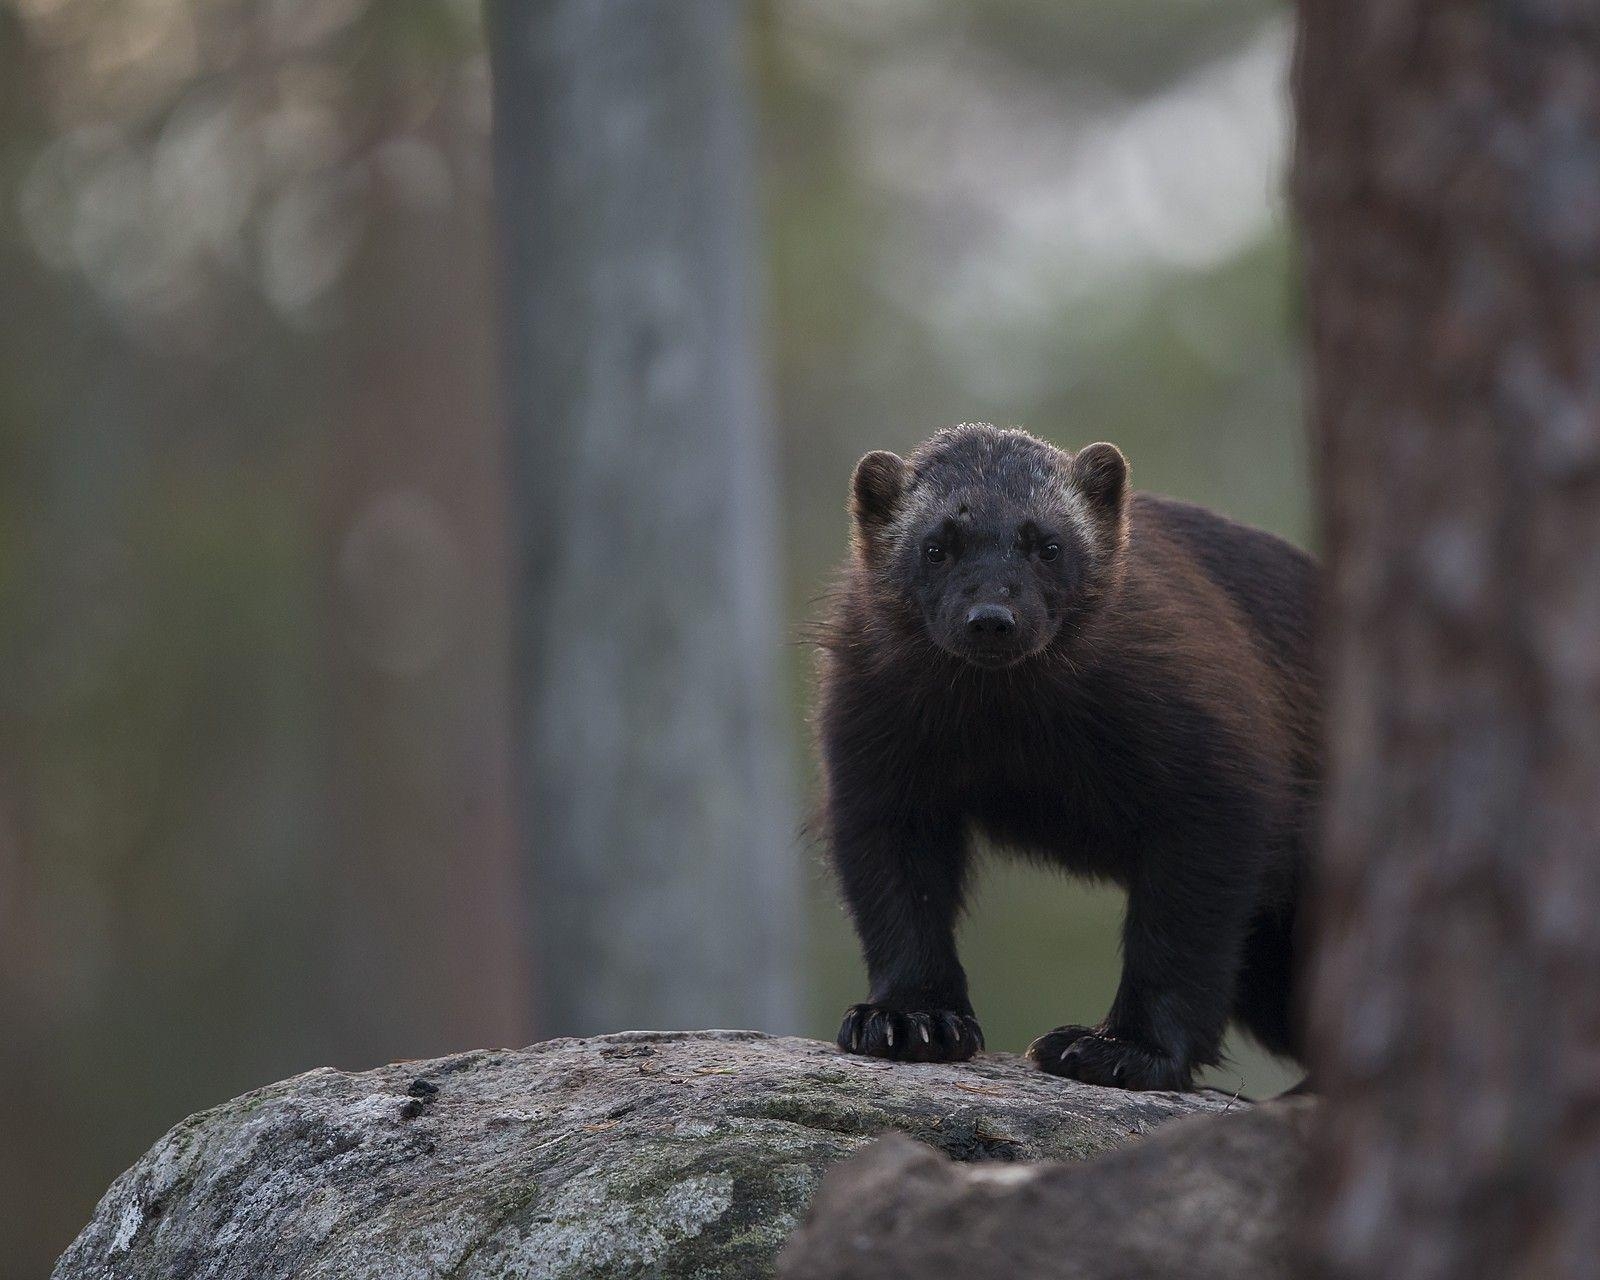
1050 551
934 552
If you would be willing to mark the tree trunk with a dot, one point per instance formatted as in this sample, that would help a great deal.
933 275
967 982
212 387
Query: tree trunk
1449 181
417 771
653 790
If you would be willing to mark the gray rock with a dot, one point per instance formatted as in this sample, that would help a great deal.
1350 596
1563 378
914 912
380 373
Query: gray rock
639 1154
1211 1198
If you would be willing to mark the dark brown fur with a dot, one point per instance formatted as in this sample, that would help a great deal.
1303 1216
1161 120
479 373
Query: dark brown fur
1117 684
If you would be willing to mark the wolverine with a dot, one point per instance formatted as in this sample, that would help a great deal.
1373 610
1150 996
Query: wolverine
1025 651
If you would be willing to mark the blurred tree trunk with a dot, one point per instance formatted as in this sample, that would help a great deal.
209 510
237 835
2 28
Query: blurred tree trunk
653 788
431 955
1449 183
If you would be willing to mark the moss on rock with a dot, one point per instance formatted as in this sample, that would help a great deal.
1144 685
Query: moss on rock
634 1155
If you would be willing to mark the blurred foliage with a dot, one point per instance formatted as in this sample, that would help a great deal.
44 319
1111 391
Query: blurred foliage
252 726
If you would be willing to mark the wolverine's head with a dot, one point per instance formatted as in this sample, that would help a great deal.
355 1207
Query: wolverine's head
994 539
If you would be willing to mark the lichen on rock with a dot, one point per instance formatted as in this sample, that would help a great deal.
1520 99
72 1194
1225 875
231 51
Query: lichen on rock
638 1154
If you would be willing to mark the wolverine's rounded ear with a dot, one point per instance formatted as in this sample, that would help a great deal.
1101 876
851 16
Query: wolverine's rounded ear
876 487
1101 475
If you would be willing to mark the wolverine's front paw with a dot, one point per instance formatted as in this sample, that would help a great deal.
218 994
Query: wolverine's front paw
1095 1056
910 1035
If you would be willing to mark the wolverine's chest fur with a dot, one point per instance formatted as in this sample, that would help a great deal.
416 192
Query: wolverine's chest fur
1084 767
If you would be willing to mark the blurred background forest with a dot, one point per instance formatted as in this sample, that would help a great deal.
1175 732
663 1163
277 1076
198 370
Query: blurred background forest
256 806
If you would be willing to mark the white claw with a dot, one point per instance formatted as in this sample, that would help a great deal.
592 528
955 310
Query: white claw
1064 1054
926 1038
891 1035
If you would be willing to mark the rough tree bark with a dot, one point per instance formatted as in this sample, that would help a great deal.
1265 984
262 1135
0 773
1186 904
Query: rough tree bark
653 788
1448 178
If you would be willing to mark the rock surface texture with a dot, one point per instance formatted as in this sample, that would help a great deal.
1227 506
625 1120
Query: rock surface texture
639 1154
1215 1198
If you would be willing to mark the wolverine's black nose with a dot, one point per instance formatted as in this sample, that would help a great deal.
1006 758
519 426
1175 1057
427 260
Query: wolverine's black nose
990 622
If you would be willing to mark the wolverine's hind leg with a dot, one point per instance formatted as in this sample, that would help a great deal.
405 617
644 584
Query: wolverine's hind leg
1265 1002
